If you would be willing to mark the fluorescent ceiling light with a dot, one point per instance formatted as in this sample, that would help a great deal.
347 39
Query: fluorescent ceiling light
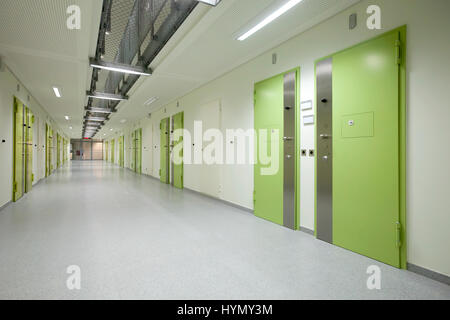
210 2
151 100
57 93
67 117
111 129
99 110
96 119
289 5
70 128
119 67
106 96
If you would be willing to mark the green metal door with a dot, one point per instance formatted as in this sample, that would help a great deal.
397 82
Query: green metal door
106 151
112 150
29 177
19 150
268 189
133 151
121 151
164 150
58 150
47 150
366 149
138 150
65 151
178 124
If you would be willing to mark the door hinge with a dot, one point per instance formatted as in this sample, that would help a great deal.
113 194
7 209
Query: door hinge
398 227
254 196
160 172
398 51
15 187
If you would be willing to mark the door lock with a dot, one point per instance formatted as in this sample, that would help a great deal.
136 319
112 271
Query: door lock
325 136
288 138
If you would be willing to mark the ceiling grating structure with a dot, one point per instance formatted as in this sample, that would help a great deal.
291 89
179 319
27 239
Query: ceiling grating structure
144 26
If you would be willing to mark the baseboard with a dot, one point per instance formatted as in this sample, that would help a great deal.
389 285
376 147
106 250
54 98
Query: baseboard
428 273
5 205
151 177
306 230
231 204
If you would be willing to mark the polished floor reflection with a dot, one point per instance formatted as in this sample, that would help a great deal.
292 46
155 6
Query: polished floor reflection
135 238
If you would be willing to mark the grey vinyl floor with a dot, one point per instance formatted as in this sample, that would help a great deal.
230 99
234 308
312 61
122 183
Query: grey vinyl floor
135 238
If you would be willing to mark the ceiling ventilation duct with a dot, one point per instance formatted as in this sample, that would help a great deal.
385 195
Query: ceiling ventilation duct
150 24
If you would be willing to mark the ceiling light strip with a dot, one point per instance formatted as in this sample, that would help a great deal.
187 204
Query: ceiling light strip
106 96
119 67
276 14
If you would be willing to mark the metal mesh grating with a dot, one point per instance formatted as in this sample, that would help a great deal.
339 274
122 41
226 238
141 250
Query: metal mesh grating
145 19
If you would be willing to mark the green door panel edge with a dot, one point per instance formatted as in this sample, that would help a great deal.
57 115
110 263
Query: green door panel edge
29 150
178 171
297 150
164 145
17 153
402 31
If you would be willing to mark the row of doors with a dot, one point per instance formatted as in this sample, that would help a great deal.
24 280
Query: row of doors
23 176
110 149
136 151
360 163
23 150
171 170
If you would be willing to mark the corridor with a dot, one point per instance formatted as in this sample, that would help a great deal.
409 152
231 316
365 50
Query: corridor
135 238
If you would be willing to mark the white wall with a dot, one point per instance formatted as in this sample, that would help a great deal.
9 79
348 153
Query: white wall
428 113
8 89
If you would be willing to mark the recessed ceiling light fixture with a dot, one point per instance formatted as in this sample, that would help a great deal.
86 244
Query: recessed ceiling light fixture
277 13
119 67
97 119
151 100
106 96
67 118
210 2
56 91
70 128
99 110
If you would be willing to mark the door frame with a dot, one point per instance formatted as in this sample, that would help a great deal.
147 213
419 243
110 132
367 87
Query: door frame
297 71
402 136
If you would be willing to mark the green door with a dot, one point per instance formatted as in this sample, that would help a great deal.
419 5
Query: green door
47 150
58 150
268 192
112 150
138 150
121 151
366 149
164 151
178 124
106 151
133 151
29 177
19 150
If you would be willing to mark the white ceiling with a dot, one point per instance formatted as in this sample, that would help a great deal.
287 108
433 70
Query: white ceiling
204 48
42 52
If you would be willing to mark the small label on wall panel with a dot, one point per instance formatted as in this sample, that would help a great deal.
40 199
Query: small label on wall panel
306 105
308 120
